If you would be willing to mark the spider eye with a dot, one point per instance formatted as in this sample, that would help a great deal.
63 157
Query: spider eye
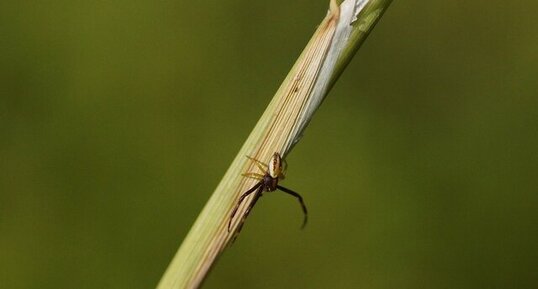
275 166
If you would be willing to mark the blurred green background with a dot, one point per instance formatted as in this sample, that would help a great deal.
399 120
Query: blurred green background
118 119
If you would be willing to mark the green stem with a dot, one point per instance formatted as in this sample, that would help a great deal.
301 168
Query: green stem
323 60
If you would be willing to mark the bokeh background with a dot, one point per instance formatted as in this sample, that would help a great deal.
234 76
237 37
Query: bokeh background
118 119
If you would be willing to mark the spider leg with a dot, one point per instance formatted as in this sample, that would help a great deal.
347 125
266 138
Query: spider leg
243 196
253 176
288 191
248 210
262 166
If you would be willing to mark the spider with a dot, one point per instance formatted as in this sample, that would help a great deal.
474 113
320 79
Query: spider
268 182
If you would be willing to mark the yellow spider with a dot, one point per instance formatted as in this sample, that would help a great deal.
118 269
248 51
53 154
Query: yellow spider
268 182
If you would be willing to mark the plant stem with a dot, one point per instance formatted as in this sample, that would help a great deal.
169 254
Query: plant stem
326 55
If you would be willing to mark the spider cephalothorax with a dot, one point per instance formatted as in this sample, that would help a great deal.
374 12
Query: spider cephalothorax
268 182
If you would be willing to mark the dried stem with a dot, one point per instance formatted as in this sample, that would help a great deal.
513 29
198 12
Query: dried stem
332 46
